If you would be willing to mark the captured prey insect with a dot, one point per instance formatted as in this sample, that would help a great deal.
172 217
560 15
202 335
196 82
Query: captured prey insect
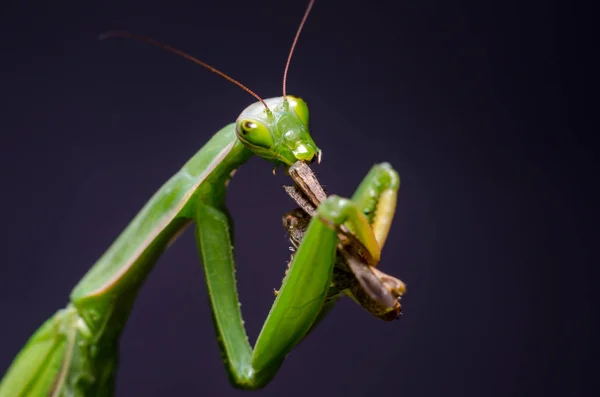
75 352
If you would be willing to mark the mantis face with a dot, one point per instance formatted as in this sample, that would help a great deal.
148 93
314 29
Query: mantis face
279 134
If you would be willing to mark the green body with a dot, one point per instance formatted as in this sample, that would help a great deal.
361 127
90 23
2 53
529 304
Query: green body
75 353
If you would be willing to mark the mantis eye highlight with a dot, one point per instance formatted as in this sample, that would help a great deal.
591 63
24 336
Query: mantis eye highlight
248 126
254 133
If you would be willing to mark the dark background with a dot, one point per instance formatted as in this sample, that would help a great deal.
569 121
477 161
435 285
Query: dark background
470 102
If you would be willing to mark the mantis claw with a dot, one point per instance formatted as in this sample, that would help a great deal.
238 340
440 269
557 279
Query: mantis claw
377 292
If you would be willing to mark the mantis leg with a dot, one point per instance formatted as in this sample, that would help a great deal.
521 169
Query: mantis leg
376 196
300 301
293 312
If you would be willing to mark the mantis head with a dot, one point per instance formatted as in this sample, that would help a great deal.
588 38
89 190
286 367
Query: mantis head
277 130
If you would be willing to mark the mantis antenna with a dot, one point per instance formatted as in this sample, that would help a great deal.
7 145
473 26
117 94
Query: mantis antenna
144 39
287 65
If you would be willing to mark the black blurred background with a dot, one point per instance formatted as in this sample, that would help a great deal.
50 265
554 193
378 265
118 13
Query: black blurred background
470 102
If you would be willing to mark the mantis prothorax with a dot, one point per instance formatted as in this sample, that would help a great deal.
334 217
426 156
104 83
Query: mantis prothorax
74 353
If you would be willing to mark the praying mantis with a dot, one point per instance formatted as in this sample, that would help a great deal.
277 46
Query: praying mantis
337 244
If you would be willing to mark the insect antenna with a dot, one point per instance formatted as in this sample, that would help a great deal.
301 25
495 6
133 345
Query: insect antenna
148 40
287 65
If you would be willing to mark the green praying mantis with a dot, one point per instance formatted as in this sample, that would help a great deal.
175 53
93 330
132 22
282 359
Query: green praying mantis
336 242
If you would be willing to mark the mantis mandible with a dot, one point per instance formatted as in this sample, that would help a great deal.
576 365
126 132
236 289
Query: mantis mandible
75 352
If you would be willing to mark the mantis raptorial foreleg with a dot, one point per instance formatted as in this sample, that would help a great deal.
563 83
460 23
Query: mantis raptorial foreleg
376 291
376 196
305 287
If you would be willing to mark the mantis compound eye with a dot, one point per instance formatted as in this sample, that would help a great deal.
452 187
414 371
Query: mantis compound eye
299 107
254 133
